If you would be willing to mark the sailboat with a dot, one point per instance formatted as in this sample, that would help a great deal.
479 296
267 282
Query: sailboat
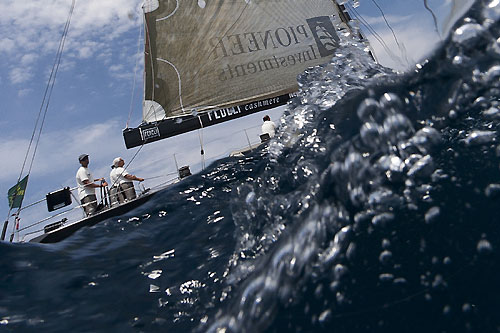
208 62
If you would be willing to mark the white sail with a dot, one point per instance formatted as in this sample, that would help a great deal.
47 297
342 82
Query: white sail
216 54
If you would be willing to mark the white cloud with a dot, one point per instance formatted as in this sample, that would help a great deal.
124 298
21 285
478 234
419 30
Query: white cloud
28 59
34 29
20 75
24 92
6 45
116 68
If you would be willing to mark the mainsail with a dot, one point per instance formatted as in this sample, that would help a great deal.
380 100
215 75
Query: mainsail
209 61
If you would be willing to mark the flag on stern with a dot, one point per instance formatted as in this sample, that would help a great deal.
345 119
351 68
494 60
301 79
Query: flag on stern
16 193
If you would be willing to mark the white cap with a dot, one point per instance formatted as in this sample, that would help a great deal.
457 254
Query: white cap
116 161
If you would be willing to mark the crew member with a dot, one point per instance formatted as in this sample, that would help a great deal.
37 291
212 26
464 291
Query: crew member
268 127
122 181
86 186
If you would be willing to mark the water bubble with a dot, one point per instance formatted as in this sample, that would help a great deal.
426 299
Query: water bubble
400 280
432 215
452 114
480 138
439 282
325 316
382 219
371 134
353 163
384 198
410 162
466 308
340 271
351 251
423 168
484 247
447 310
369 110
492 11
390 102
319 291
425 139
335 286
447 261
386 277
386 243
467 33
398 127
385 257
250 197
492 113
494 47
391 162
493 74
492 190
438 175
340 298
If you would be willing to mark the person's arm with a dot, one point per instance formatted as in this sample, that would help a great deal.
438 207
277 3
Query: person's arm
132 177
87 183
101 180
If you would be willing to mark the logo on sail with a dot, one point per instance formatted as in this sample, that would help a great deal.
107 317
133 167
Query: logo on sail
324 34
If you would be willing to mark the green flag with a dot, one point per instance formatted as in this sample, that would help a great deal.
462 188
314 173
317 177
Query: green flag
16 193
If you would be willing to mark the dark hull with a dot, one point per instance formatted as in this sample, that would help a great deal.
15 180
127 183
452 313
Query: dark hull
67 230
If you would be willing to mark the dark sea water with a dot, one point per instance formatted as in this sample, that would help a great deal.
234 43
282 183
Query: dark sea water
374 210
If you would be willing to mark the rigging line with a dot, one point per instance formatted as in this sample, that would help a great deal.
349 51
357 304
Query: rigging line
45 93
375 35
135 75
200 136
368 27
434 18
46 97
50 94
403 54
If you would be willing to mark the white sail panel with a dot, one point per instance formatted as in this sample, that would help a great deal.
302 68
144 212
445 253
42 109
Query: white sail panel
219 53
152 111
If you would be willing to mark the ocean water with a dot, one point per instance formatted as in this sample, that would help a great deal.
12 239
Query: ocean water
375 209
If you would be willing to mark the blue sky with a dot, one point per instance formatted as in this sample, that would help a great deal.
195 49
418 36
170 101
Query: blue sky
93 93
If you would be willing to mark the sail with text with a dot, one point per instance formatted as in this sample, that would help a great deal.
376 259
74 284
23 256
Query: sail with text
207 62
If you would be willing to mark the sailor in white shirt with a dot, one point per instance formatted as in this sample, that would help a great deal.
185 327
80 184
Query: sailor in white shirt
122 188
86 186
268 127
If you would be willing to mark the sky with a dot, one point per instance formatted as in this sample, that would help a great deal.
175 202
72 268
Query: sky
100 82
